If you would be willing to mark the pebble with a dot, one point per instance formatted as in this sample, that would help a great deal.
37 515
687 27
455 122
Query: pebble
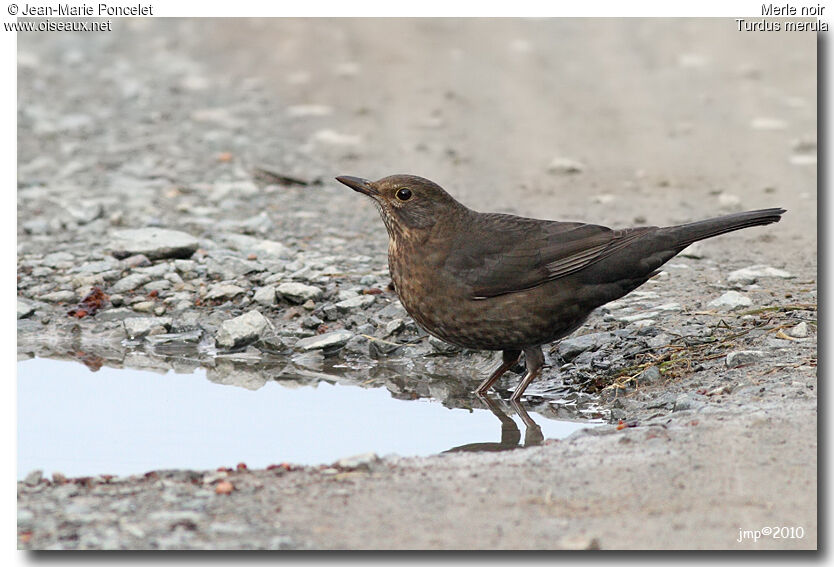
768 123
155 243
565 166
58 260
265 295
97 267
572 347
358 462
24 309
242 330
224 291
441 346
649 376
184 266
751 274
138 327
729 202
694 250
326 341
130 283
358 302
687 402
136 261
394 326
799 331
33 478
303 110
59 297
144 306
298 292
742 357
257 246
157 285
731 300
637 317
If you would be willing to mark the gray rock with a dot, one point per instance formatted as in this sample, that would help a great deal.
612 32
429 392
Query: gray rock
742 357
157 285
144 306
364 461
265 295
118 314
687 402
637 317
393 310
394 326
357 345
326 341
346 294
155 243
224 291
24 309
229 266
752 274
59 297
184 337
36 226
565 165
33 478
731 300
97 267
257 246
799 331
138 327
658 341
129 283
84 213
358 302
185 266
666 401
298 292
242 330
649 376
136 261
311 322
442 347
694 250
572 347
57 259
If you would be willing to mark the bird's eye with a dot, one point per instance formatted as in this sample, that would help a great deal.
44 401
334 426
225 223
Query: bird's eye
404 194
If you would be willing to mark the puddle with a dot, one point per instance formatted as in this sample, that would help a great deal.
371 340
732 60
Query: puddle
124 421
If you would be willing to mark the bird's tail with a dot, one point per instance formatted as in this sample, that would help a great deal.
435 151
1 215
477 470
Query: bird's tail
685 234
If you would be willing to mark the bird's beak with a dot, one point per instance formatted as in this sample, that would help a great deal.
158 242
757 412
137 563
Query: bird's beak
359 184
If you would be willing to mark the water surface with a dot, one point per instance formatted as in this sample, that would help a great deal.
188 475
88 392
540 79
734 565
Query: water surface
124 421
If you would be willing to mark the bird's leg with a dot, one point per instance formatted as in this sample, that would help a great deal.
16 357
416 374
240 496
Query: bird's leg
510 434
510 358
533 433
534 360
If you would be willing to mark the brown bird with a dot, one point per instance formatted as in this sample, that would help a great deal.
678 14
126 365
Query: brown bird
489 281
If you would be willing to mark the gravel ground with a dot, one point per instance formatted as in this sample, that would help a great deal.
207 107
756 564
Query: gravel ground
176 209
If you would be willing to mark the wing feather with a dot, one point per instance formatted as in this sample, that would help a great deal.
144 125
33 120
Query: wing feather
503 254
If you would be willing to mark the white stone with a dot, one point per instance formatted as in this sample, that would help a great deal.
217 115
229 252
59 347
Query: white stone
241 330
324 341
751 274
298 292
731 300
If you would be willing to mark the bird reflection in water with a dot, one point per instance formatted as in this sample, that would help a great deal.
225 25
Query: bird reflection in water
510 434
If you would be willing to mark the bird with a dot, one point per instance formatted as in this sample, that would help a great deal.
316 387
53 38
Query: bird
500 282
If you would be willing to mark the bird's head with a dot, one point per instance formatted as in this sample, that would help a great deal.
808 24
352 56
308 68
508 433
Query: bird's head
409 205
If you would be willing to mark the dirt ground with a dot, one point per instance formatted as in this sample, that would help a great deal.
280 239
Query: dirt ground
616 122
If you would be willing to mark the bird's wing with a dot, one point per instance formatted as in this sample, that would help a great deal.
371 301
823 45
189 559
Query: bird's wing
505 254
